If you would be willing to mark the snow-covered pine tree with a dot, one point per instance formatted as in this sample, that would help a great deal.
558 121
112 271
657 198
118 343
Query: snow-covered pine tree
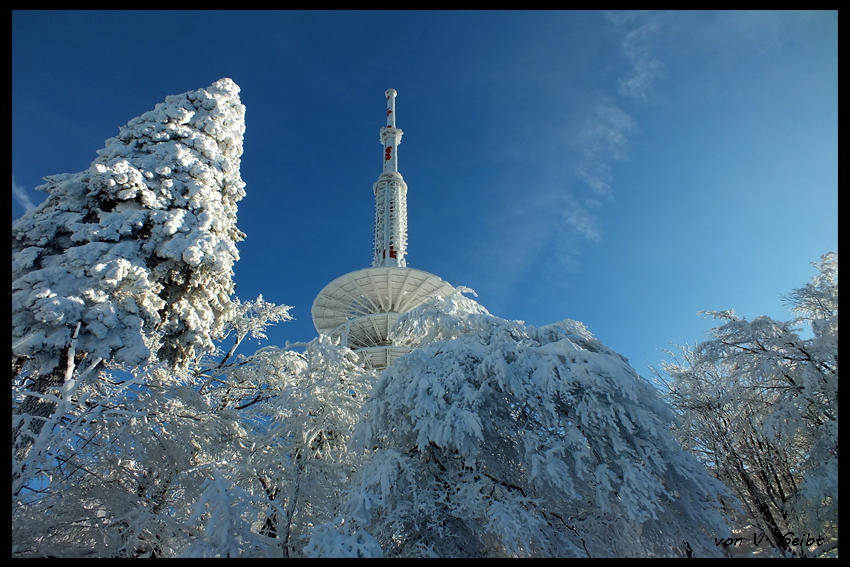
220 455
758 403
138 248
494 438
129 261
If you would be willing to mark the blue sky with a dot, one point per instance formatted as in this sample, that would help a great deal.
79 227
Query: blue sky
623 169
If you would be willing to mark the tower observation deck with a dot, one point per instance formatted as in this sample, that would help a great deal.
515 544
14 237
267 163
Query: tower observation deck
361 307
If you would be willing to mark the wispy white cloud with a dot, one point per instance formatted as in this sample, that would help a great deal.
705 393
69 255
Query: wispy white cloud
19 194
537 232
603 139
637 29
539 226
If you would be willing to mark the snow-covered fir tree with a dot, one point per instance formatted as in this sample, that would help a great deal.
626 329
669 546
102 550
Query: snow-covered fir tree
125 266
134 432
139 248
132 259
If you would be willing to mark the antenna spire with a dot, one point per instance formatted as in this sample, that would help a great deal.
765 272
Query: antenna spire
390 198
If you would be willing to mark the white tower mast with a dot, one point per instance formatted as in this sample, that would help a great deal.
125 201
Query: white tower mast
390 198
360 308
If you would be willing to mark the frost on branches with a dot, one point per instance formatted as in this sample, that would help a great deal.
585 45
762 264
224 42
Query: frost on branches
500 439
237 459
257 494
758 403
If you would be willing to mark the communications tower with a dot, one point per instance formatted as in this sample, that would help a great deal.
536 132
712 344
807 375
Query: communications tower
361 307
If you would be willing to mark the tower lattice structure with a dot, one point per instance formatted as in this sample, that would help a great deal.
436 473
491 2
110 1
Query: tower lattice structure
360 308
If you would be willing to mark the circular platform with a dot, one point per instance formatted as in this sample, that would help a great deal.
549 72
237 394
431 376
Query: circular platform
363 305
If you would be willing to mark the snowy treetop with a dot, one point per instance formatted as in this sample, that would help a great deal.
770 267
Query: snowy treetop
143 240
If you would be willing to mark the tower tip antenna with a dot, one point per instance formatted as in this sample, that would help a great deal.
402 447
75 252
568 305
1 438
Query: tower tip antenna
390 198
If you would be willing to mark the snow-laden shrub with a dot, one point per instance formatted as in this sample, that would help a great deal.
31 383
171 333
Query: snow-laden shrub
494 438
